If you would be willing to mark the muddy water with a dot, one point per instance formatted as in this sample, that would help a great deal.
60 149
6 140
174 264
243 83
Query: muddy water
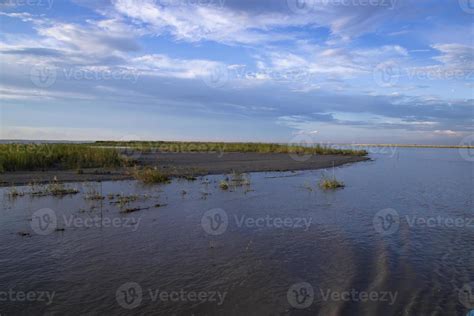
397 240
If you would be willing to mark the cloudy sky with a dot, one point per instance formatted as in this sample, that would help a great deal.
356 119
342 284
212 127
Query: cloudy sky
364 71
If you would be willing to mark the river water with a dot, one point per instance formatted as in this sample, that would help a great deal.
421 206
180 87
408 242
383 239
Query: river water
397 240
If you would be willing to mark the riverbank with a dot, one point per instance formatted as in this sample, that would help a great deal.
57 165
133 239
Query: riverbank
184 165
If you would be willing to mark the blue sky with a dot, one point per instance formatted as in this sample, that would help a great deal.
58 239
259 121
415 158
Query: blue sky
342 71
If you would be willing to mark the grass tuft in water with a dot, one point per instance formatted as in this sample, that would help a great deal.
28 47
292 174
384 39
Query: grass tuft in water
224 185
150 176
331 184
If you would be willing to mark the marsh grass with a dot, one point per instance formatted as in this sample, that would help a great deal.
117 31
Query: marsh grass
221 147
150 176
124 200
54 188
59 189
29 157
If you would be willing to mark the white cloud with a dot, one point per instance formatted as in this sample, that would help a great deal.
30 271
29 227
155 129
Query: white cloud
163 65
190 21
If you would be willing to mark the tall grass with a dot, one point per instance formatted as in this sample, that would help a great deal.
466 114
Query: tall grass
163 146
15 157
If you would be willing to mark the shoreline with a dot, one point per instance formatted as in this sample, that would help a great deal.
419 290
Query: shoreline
181 165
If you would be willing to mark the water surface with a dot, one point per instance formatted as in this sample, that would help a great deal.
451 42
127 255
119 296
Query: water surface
401 230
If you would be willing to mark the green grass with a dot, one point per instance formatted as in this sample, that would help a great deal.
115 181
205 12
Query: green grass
17 157
221 147
150 176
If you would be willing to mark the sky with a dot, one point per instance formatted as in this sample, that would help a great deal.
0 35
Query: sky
328 71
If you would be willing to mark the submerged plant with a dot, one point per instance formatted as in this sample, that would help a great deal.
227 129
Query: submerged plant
93 193
14 193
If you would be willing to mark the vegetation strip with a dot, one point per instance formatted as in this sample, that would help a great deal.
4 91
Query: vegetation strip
163 146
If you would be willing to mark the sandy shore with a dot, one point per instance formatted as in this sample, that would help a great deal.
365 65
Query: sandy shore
182 164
